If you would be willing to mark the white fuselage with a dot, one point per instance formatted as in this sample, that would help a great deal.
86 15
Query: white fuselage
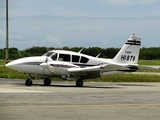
39 65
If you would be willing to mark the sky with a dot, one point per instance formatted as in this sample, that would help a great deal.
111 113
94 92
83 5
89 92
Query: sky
79 23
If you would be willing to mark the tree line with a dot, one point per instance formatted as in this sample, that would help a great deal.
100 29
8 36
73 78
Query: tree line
152 53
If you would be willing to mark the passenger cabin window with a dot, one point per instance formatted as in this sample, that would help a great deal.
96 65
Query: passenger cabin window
54 57
84 59
75 58
64 57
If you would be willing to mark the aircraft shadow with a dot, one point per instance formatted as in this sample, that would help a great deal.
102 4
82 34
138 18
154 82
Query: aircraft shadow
72 86
87 86
140 84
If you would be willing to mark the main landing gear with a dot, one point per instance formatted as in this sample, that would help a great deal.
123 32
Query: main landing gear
28 82
47 82
79 83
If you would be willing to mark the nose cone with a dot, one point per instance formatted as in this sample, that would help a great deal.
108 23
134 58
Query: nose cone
12 64
25 64
8 64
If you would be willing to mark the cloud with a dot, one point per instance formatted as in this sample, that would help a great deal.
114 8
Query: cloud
2 38
2 33
16 37
127 2
146 1
2 4
52 41
21 41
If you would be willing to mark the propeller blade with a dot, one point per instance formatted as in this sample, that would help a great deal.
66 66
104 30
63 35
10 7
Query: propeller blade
44 64
46 59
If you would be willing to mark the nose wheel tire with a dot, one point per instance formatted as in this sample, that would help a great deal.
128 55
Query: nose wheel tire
47 82
79 83
28 82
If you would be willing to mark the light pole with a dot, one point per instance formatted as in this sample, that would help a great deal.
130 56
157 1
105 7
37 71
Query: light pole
7 32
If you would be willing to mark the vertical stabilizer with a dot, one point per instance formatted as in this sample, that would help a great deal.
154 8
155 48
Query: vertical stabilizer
129 53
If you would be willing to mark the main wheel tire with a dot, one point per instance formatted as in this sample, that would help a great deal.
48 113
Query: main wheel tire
28 82
79 83
47 82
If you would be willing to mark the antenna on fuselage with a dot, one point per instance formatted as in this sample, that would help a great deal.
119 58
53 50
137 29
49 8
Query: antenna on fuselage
98 55
80 50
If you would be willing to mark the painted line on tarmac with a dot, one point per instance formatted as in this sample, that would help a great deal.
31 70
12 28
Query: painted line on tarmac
83 105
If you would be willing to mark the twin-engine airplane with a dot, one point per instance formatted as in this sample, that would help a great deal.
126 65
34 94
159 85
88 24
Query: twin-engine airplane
75 65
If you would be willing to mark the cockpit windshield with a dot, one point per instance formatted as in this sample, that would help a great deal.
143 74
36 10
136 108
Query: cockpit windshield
48 54
52 55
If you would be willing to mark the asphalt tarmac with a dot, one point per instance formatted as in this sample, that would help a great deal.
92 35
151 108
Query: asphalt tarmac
64 101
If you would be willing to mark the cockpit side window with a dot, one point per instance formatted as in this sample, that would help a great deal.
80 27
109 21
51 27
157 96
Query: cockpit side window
54 57
84 59
75 58
64 57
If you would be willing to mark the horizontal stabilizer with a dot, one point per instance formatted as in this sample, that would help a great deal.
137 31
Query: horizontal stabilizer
141 67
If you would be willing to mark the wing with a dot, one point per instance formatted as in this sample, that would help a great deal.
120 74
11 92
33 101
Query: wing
84 71
107 68
96 69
